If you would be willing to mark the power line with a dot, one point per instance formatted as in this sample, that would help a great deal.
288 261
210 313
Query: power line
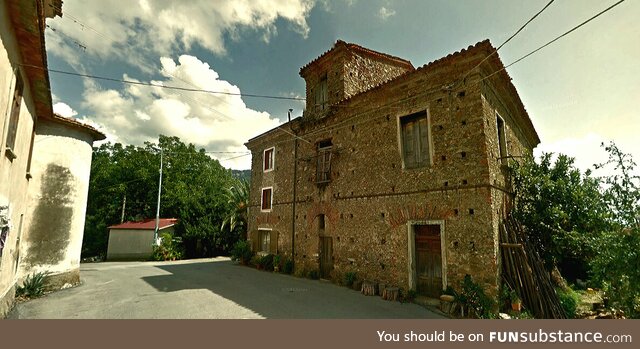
162 86
509 39
556 39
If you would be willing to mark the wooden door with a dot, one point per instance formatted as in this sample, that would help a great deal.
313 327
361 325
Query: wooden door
428 260
326 257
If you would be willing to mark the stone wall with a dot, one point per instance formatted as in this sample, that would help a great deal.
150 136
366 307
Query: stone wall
372 199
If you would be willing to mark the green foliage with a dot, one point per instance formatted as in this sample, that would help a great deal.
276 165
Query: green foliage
409 296
569 301
349 278
472 297
561 209
256 261
242 252
616 265
287 267
277 262
193 190
314 274
267 262
237 197
170 249
33 286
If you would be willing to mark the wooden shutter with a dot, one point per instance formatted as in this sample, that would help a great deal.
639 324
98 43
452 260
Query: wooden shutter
273 242
15 113
408 146
423 141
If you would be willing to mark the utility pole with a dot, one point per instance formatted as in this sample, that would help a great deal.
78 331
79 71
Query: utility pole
124 204
155 232
293 204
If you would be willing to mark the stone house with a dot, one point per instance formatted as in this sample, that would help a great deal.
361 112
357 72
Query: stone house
45 159
393 172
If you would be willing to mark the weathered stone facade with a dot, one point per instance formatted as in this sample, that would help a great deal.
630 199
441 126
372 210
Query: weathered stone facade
366 212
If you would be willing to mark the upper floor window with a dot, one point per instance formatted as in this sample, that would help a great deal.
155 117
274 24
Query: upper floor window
502 145
13 118
321 94
323 168
267 199
416 144
268 157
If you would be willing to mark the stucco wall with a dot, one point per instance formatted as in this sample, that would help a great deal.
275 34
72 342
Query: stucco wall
13 181
60 168
131 244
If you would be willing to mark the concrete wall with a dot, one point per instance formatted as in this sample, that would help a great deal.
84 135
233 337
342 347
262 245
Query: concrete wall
60 168
372 201
131 244
13 181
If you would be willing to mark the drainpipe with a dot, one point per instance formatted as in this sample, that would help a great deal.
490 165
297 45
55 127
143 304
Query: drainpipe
293 205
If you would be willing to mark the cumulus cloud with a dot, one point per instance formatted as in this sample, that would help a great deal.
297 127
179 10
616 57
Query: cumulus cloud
134 29
216 122
385 13
63 109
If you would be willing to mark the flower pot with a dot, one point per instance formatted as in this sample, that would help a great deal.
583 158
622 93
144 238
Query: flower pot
516 306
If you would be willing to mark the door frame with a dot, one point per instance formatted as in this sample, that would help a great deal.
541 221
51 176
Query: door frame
411 234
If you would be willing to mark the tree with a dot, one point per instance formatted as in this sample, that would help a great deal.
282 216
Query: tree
237 197
193 188
562 209
616 265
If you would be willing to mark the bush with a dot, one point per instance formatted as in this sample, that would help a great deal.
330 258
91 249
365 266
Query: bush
314 274
287 267
277 261
242 252
256 261
409 296
473 298
569 301
267 262
349 278
33 285
169 249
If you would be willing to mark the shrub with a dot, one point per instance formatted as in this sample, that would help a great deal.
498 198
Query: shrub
287 267
170 249
349 278
314 274
242 252
33 285
569 301
409 296
267 262
277 260
473 298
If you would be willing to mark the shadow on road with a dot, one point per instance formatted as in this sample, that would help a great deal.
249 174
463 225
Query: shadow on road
275 295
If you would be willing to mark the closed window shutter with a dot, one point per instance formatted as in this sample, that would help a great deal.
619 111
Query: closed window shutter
409 144
15 113
423 140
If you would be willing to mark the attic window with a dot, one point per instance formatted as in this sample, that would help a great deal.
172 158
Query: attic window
323 169
321 94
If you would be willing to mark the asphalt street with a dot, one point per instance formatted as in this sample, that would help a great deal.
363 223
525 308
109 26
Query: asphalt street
206 289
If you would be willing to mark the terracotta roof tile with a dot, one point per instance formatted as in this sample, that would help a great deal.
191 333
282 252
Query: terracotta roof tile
97 135
146 224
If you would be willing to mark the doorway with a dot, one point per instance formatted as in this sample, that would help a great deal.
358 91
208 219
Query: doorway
428 270
326 256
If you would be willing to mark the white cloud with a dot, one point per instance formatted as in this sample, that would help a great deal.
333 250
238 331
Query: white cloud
385 13
215 122
113 29
63 109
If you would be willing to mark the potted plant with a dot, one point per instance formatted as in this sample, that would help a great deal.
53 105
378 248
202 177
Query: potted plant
276 263
516 302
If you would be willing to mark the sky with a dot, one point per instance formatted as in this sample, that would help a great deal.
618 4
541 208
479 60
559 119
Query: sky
579 92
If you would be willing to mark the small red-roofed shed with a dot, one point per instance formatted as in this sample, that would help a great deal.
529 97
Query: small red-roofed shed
134 240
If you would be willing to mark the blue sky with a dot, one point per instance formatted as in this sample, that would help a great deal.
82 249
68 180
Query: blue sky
579 92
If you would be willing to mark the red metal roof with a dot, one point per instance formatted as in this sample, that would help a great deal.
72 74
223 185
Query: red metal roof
146 224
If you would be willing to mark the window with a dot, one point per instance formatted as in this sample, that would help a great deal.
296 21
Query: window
267 199
323 168
502 146
268 160
321 94
13 118
265 240
33 136
415 134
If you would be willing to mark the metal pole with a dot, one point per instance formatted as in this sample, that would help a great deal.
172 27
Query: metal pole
293 209
155 232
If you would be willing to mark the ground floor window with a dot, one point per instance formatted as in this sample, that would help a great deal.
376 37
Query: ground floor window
264 242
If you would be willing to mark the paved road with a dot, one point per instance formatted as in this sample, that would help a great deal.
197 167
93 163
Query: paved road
205 289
